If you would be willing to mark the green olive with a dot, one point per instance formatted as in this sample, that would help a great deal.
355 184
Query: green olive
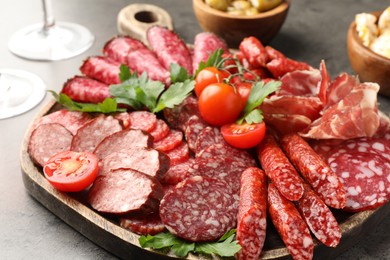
241 5
221 5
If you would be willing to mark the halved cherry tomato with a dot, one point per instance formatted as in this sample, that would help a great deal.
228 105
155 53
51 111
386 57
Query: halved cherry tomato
219 104
71 171
209 76
243 136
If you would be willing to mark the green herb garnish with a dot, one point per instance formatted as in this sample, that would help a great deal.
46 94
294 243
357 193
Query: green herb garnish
251 113
226 246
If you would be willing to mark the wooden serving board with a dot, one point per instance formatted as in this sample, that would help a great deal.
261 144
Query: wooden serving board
105 232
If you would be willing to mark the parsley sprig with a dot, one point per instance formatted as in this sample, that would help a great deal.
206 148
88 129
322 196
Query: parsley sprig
139 92
226 246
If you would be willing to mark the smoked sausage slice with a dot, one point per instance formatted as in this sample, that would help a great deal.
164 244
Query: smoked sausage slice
125 191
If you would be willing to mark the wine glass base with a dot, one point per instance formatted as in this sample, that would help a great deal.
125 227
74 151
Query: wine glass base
20 91
62 41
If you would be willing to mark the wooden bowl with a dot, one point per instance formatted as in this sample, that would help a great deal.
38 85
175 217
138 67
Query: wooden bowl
368 65
233 28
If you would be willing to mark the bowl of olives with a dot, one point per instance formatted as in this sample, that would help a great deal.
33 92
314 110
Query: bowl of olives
234 20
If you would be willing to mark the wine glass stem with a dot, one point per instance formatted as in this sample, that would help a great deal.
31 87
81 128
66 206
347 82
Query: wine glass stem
48 18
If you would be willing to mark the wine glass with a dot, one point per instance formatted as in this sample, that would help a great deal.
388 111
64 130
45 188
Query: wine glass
20 91
51 40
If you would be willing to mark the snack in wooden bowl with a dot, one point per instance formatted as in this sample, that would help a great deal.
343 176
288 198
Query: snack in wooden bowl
233 28
363 51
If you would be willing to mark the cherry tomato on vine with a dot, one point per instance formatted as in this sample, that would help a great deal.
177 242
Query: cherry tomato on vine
245 135
209 76
71 171
244 89
219 104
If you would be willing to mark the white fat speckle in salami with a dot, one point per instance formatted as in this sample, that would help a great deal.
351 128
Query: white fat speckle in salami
203 195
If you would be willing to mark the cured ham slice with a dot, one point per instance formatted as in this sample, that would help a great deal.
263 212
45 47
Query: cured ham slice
290 105
324 82
300 83
356 115
340 87
285 124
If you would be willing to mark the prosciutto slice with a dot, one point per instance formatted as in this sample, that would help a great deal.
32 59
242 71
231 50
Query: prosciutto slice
300 83
355 115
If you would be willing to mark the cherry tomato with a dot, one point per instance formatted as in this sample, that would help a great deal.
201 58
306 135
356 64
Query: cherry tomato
243 136
219 104
244 89
70 171
208 76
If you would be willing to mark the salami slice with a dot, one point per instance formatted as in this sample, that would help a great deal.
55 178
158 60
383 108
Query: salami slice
47 140
376 145
143 120
161 130
83 89
279 169
92 133
198 209
150 224
319 218
169 47
123 140
225 169
205 44
177 173
252 213
208 136
71 120
194 126
125 191
365 177
102 69
290 225
227 151
179 154
170 142
314 170
178 115
146 160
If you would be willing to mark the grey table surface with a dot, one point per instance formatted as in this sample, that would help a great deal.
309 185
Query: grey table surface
314 30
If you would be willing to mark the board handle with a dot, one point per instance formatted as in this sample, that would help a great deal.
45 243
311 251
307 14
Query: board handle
134 20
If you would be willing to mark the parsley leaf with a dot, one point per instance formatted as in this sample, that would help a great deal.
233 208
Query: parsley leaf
251 113
225 246
109 105
178 74
174 95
